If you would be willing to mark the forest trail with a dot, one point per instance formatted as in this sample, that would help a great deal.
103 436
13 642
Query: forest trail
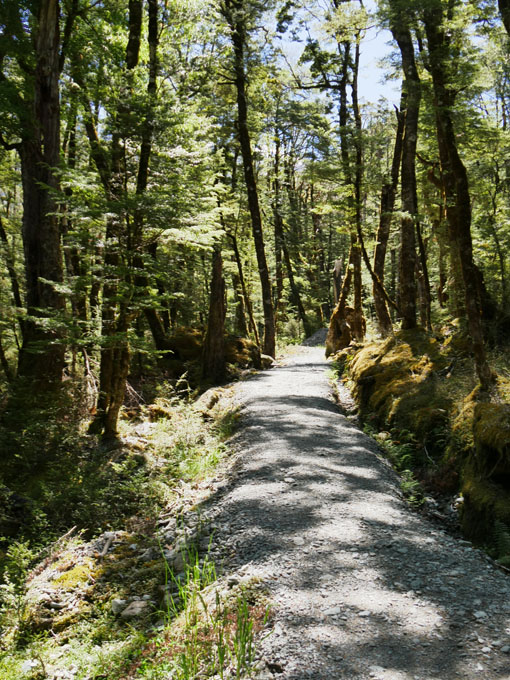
361 586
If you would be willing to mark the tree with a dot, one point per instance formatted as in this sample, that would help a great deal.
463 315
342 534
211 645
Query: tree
238 15
458 202
32 56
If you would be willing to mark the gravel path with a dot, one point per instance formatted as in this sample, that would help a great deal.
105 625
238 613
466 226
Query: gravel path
361 586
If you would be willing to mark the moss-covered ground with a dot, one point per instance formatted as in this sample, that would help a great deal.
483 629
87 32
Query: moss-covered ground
417 393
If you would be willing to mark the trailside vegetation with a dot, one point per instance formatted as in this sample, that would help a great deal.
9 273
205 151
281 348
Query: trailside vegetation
186 187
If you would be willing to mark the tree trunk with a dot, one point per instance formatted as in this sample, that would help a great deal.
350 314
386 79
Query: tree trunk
504 9
5 364
278 227
42 356
234 15
388 194
340 329
359 324
458 203
246 297
213 359
412 88
241 326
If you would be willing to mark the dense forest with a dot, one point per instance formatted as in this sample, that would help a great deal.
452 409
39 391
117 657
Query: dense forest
186 186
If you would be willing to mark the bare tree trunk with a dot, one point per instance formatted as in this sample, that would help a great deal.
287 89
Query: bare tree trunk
388 194
278 227
247 300
412 88
41 358
234 10
213 359
359 324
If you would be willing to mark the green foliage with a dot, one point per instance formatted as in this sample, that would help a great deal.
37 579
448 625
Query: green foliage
411 488
15 566
209 632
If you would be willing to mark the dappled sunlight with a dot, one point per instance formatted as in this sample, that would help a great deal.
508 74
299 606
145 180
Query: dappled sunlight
362 586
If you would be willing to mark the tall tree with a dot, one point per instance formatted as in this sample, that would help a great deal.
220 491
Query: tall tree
399 24
436 16
31 59
238 14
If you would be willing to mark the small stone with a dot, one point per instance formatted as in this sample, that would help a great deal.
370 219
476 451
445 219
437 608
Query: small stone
147 555
333 611
365 614
136 608
505 649
118 605
175 559
289 480
480 615
133 546
56 605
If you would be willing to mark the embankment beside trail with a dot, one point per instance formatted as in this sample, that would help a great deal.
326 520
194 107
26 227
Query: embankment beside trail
417 395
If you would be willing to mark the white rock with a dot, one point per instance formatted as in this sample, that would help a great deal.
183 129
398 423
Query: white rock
480 615
333 611
365 614
136 608
118 605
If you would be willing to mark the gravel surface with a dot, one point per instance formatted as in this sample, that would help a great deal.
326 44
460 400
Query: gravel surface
361 587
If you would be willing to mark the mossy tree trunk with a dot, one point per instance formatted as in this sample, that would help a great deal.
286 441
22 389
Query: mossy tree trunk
458 202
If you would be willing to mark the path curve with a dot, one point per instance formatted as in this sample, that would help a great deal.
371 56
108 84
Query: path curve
361 586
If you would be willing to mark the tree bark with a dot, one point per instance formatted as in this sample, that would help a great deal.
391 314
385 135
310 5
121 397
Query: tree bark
42 355
246 297
388 194
213 359
412 89
234 13
278 227
458 203
359 325
504 9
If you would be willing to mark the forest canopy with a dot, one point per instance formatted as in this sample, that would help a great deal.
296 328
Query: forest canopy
184 184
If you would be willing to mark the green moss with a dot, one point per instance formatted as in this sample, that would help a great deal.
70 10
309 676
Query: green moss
242 352
491 428
395 380
76 576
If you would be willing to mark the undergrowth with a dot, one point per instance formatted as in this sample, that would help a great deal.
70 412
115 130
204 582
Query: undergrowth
94 489
207 632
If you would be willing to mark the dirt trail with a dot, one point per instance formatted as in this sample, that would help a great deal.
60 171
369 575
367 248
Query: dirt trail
361 586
